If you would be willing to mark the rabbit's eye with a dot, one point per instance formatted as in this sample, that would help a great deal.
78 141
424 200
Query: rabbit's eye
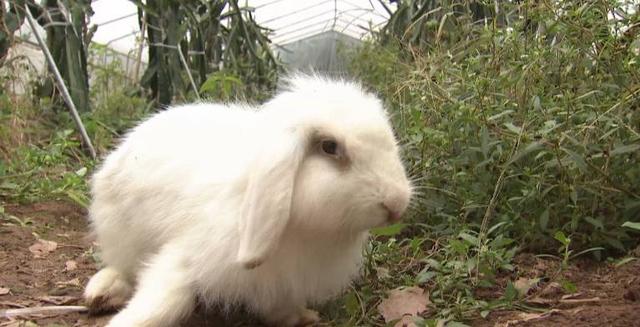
329 147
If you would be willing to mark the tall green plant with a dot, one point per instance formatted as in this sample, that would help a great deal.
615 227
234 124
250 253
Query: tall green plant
67 40
68 36
424 23
198 34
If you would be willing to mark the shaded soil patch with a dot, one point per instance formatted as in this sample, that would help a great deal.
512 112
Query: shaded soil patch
605 295
54 278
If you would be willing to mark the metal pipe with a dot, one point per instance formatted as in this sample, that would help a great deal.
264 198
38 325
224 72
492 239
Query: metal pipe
63 88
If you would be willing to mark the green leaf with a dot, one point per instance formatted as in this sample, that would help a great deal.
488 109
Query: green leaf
434 264
624 261
81 172
577 159
569 287
495 227
9 185
536 103
510 293
484 141
425 276
390 230
549 126
513 128
574 196
78 198
472 240
596 249
504 113
459 246
500 242
484 313
544 219
614 242
625 149
631 205
531 147
351 304
595 222
632 225
559 235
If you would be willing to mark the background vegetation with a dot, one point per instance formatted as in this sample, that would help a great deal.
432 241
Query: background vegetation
532 124
519 122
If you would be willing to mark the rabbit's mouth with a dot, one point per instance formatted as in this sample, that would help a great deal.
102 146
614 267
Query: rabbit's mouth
391 216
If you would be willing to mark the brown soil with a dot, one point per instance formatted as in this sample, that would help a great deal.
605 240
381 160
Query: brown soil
45 280
606 295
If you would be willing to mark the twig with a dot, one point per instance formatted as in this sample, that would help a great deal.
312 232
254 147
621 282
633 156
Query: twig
615 106
143 29
188 70
74 246
579 301
105 126
10 313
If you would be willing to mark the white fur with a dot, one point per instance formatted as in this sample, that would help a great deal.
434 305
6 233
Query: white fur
238 205
108 289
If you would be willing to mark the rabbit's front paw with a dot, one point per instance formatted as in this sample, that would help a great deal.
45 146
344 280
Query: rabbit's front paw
107 291
308 317
298 318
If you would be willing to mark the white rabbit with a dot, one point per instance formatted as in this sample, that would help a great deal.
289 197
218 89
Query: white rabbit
266 207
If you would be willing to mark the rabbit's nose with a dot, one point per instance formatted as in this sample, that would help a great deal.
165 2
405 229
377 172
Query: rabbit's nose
396 204
393 215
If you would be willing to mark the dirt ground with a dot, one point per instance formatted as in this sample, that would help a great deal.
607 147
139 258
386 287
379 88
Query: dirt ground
605 295
35 273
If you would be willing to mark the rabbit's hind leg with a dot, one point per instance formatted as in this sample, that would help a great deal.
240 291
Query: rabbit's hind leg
163 296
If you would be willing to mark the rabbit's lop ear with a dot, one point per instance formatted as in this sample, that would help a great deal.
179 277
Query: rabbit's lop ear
266 206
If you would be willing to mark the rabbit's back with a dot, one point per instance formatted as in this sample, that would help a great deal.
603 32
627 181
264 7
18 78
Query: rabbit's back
151 189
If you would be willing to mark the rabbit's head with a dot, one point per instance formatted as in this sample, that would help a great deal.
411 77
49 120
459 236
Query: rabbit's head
330 167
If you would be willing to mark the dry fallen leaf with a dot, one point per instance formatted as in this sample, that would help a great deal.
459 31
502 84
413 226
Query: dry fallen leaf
552 289
524 285
73 282
71 265
632 295
382 272
42 247
4 290
401 302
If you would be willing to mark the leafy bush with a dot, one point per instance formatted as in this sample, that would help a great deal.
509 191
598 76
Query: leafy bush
36 161
41 155
535 130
